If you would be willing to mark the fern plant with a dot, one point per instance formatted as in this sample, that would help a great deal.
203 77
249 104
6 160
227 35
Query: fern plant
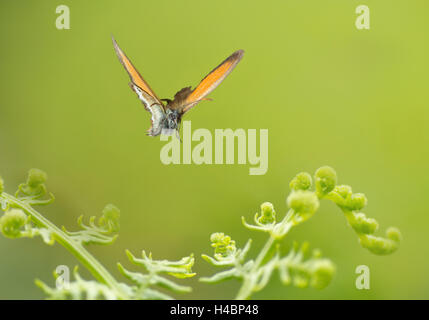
299 266
20 219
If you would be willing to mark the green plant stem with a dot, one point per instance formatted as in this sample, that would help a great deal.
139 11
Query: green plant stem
84 257
249 280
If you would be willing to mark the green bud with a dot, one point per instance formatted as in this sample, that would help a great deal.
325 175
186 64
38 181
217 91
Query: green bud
304 203
217 237
302 181
344 191
36 177
341 195
12 222
379 245
110 217
1 185
394 234
361 224
357 201
344 197
268 215
323 271
223 244
326 180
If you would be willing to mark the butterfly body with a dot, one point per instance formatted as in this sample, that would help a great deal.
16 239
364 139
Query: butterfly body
172 121
166 118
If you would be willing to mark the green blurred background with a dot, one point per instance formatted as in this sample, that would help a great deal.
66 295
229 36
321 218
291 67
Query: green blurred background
328 93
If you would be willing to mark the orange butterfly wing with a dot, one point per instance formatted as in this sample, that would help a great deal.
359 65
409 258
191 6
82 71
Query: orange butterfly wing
144 93
212 80
135 76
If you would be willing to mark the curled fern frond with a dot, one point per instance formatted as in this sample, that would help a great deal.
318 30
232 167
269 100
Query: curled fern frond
352 204
299 267
16 224
234 258
20 219
296 268
100 232
33 191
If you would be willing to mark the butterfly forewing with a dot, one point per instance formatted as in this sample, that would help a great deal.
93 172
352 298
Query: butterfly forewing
212 80
135 76
144 92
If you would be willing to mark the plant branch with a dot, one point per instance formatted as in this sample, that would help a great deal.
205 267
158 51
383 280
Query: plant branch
76 248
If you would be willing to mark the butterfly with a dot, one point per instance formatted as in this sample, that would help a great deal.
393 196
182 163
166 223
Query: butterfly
166 117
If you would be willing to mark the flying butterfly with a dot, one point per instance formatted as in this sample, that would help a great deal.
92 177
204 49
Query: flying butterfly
166 118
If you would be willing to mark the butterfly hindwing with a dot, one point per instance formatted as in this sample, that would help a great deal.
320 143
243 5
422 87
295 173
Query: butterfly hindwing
156 110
